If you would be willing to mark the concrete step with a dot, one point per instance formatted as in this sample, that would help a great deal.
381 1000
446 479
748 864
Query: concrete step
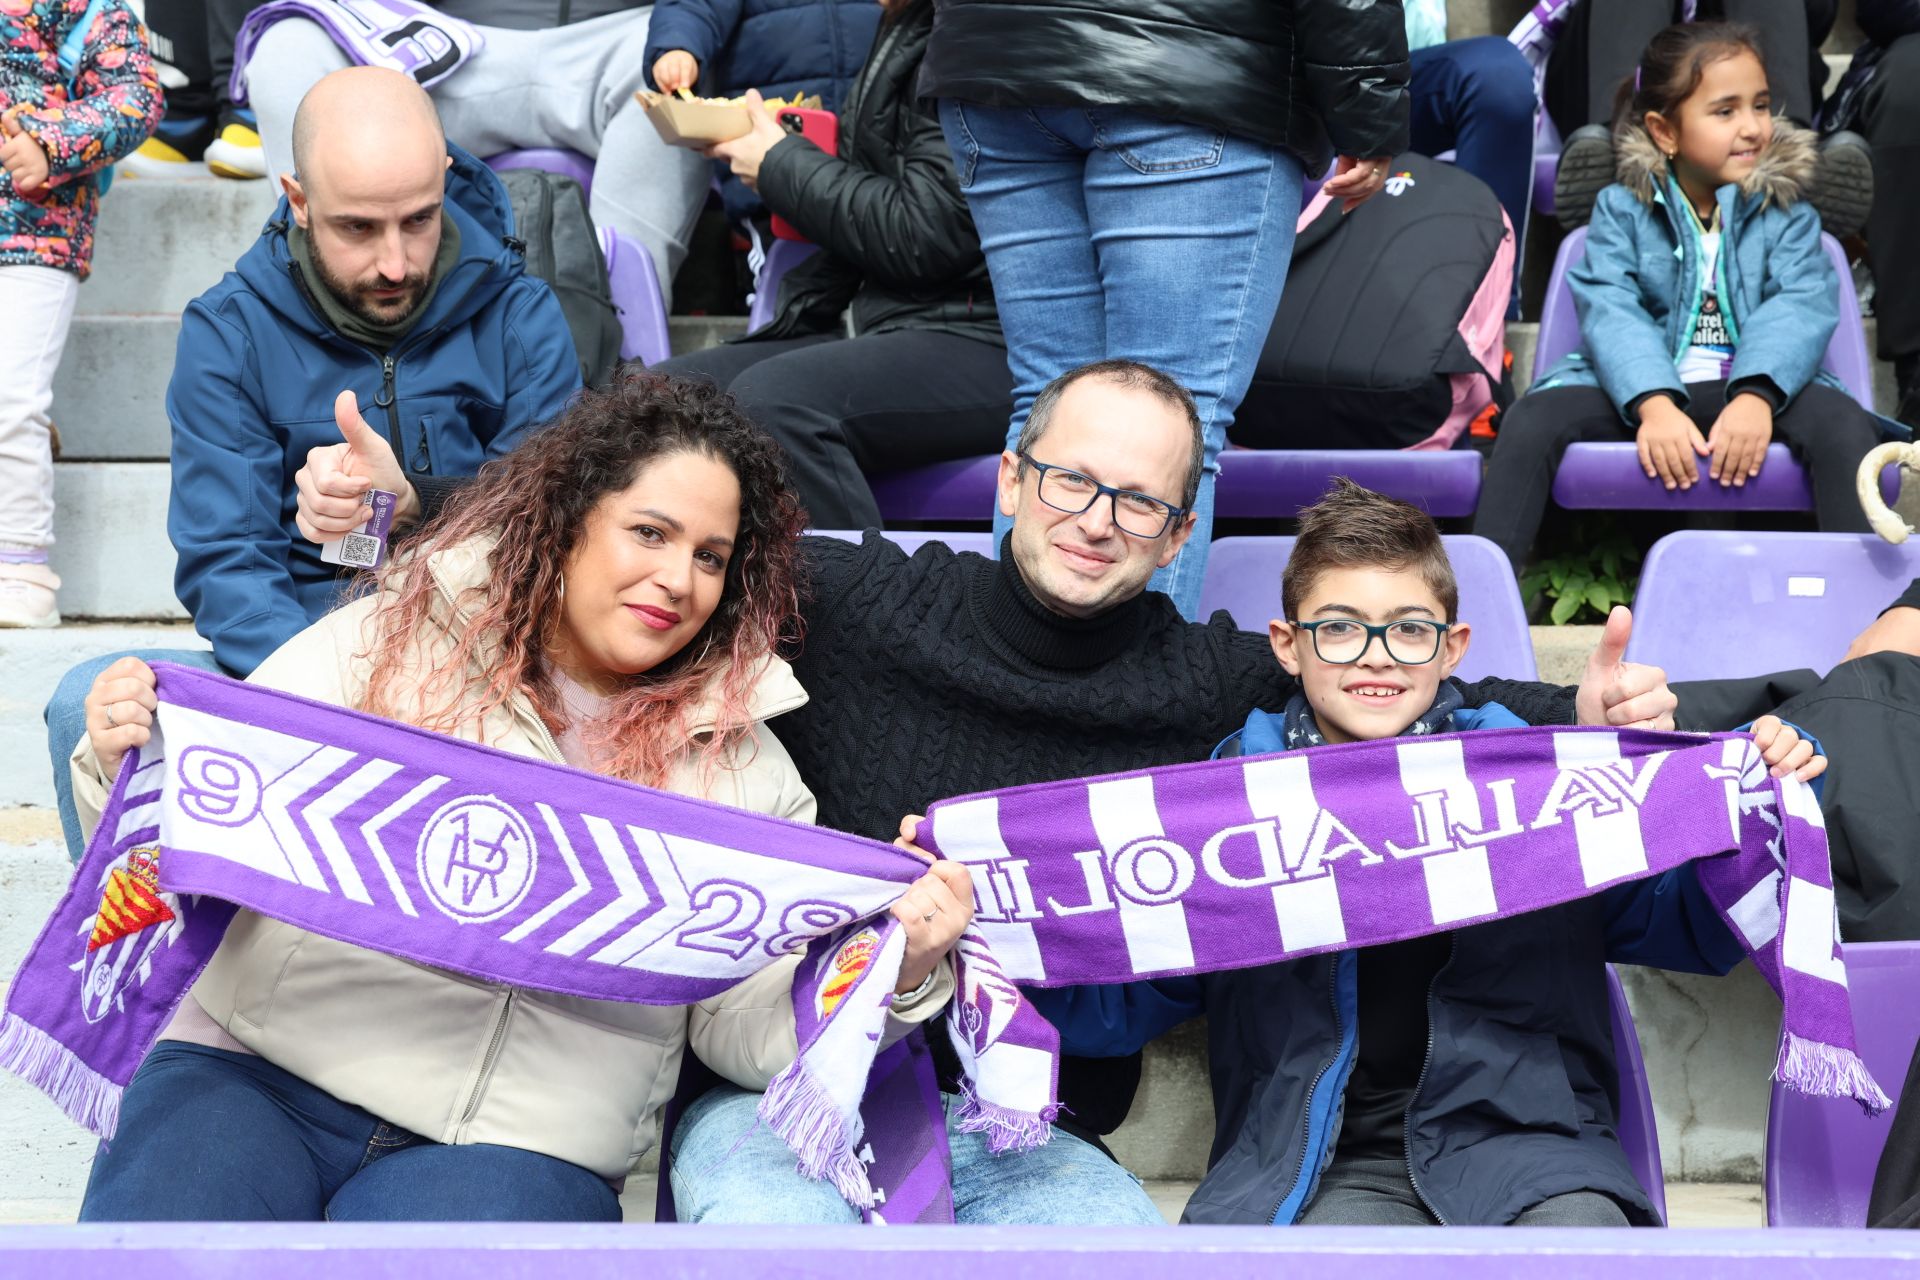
110 541
162 242
33 662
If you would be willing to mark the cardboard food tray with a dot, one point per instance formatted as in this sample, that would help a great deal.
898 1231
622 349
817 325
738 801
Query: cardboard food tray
693 122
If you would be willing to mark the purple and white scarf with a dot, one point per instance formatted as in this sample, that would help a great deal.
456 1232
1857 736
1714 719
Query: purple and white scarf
402 35
524 872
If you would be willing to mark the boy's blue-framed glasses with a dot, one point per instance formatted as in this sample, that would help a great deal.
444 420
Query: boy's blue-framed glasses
1343 641
1139 514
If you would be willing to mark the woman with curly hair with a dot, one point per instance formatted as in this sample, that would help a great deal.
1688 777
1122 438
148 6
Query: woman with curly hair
611 598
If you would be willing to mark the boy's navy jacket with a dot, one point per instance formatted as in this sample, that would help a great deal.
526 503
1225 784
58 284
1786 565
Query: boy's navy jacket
783 48
1638 287
1519 1094
253 387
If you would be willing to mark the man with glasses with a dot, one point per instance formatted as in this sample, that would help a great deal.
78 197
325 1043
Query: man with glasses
939 674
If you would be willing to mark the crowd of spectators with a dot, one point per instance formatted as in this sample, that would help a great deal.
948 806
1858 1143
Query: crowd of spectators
1036 238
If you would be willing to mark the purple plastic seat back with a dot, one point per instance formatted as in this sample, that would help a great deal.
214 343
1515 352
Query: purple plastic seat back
1254 483
1821 1152
635 286
1639 1137
958 490
1846 358
782 257
1259 483
1243 577
911 540
568 164
1715 604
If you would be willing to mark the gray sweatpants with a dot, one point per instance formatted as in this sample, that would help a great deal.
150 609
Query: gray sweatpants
1377 1193
566 87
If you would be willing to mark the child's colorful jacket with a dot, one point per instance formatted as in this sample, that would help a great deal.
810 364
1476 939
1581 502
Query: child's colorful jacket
1637 289
109 108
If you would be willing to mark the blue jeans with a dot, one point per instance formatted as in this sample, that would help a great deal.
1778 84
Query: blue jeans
728 1167
66 717
1475 99
211 1136
1114 233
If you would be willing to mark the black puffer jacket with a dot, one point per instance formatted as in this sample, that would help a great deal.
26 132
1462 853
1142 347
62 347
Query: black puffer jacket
900 246
1313 76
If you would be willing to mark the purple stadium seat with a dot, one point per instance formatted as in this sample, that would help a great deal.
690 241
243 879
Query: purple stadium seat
1279 482
1243 577
957 490
568 164
782 257
635 286
911 541
1253 483
1607 476
631 277
1714 604
1638 1135
1821 1152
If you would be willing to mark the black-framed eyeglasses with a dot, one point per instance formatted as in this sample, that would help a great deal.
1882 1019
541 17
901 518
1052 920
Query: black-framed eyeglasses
1342 642
1140 514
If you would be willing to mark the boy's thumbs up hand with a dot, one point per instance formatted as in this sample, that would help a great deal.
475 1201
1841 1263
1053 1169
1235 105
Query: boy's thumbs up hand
333 485
1621 693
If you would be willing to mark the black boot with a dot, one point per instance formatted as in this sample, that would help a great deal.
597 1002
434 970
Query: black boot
1586 168
1843 183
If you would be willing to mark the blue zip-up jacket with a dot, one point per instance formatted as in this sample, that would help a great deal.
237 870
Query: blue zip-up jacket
253 387
1638 287
1519 1093
783 48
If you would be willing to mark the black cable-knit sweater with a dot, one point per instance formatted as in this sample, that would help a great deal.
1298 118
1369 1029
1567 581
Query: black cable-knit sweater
940 674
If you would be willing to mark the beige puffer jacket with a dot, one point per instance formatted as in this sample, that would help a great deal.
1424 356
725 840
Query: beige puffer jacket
458 1060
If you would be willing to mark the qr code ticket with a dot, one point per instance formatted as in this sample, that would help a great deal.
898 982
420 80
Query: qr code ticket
366 546
359 550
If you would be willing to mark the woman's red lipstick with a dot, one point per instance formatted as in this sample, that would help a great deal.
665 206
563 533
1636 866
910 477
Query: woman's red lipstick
654 616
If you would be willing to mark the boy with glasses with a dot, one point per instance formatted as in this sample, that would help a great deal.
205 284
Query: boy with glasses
1464 1077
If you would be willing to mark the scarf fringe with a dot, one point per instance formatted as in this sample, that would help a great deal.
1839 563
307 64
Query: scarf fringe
1006 1128
88 1098
798 1108
1828 1071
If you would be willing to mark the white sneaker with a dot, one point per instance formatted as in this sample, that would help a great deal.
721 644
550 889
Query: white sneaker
237 153
26 596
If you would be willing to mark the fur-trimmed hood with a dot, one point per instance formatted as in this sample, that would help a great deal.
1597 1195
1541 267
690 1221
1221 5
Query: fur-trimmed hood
1782 175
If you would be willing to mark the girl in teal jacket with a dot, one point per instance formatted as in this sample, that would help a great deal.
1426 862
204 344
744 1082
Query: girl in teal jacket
1706 302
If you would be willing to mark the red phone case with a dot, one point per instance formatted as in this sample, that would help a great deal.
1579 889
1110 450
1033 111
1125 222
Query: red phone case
822 129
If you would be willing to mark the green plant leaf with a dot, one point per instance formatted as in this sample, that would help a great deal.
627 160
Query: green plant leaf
1563 609
1601 597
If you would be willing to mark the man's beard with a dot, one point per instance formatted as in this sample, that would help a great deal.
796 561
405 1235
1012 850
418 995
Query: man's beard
358 298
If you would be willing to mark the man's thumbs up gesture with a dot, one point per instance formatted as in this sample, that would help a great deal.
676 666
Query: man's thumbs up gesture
333 485
1620 693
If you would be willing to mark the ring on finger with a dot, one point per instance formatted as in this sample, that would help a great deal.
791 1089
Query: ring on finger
930 915
111 722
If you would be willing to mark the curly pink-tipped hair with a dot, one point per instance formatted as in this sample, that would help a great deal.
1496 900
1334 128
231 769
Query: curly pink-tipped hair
536 501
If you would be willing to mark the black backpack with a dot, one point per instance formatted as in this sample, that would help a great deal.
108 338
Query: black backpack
561 246
1390 330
